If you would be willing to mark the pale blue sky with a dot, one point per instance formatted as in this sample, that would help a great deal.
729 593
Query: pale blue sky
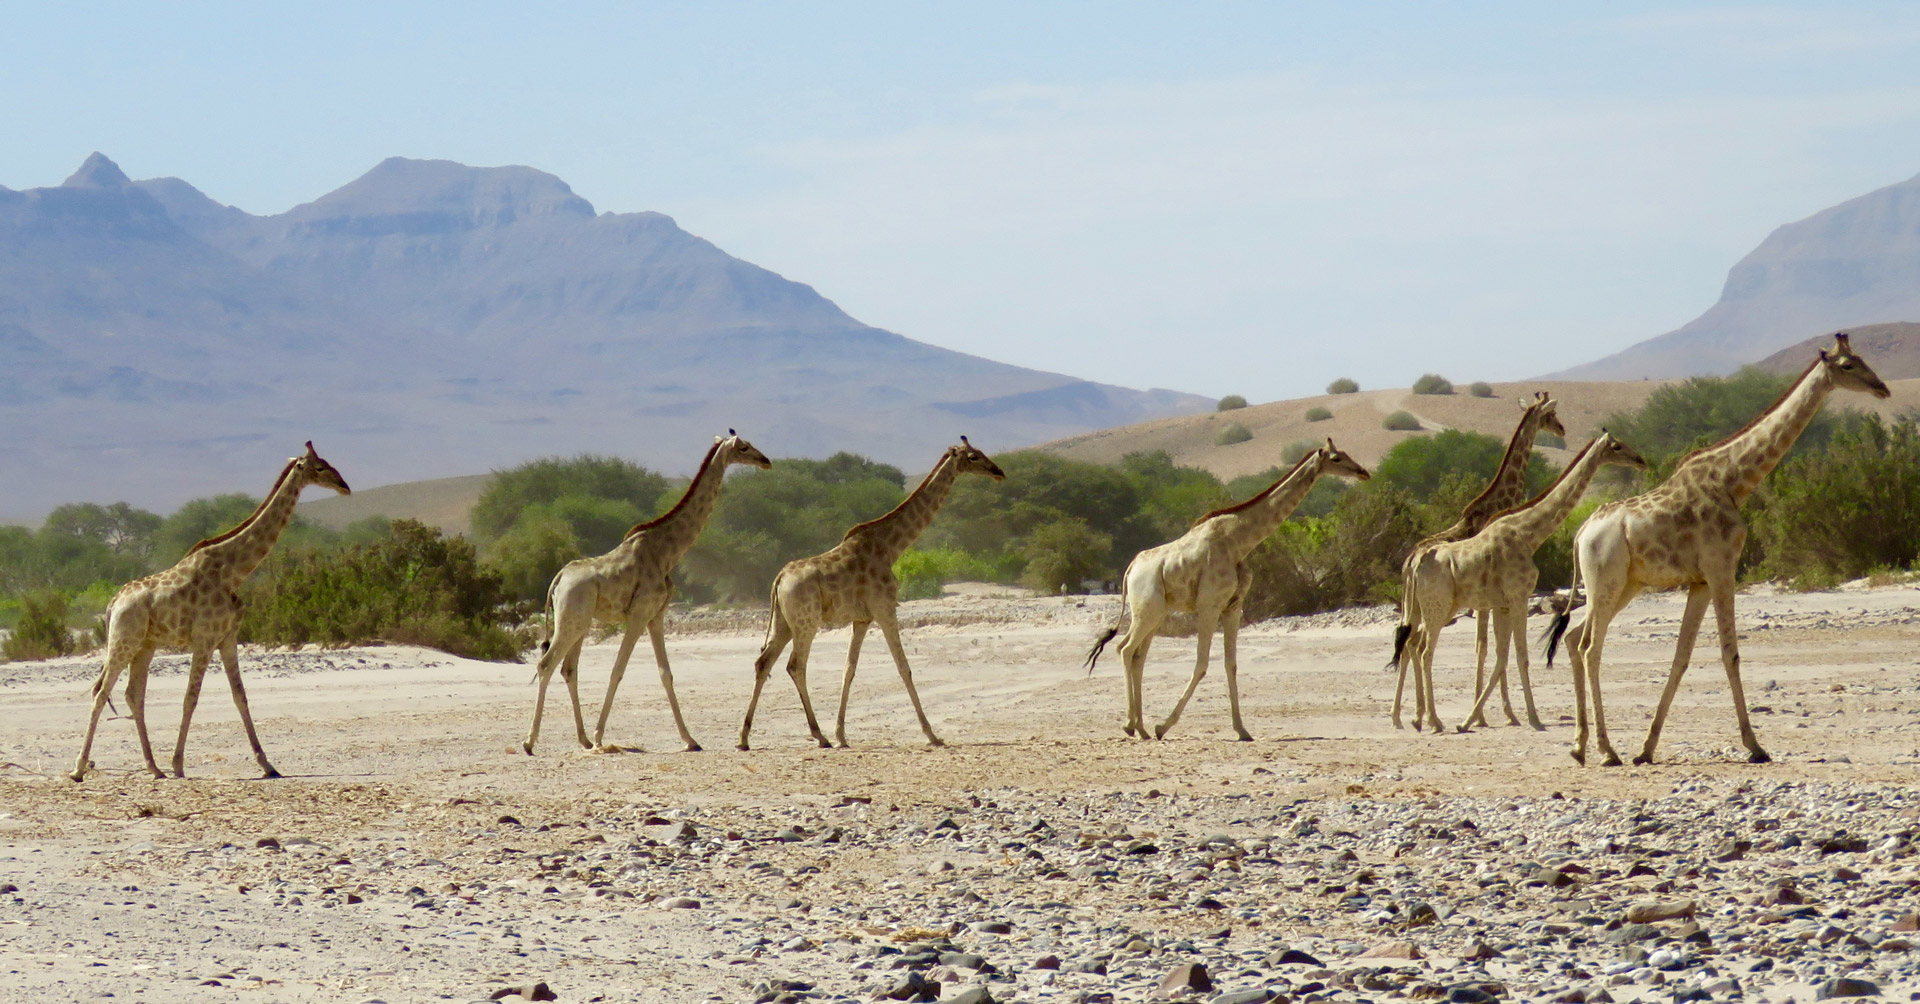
1247 198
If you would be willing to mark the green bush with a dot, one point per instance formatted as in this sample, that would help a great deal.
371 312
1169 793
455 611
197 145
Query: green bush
1320 498
1401 421
1343 385
1063 554
1681 417
510 493
1293 451
1432 383
416 588
1350 555
1233 433
1481 388
923 573
1318 414
1549 440
1232 402
41 632
1848 510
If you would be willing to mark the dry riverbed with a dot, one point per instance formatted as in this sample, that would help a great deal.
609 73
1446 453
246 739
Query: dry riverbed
413 853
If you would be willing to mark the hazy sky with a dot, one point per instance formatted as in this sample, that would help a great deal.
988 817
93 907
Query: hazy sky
1249 198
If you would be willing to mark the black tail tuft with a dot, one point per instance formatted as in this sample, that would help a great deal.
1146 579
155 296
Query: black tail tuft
1093 655
1400 636
1555 632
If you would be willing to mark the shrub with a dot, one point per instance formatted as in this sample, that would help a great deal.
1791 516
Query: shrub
510 493
1343 385
417 587
1063 554
1432 383
1232 402
1318 414
41 632
1681 417
1549 440
1351 555
922 573
1233 433
1846 511
1401 421
1481 388
1297 449
1422 466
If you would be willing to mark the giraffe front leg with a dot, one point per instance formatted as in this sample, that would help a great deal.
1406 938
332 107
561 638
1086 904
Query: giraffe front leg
1400 685
196 674
1730 659
230 660
777 637
657 631
1517 638
1133 662
1697 598
620 658
1203 645
890 628
1575 646
846 680
1229 639
102 691
555 655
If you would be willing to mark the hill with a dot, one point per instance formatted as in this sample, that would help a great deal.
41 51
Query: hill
433 319
1893 350
1850 265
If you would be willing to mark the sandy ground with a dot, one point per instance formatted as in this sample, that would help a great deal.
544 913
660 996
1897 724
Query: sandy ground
394 872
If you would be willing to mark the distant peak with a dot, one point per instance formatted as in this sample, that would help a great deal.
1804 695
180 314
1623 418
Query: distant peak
481 194
97 172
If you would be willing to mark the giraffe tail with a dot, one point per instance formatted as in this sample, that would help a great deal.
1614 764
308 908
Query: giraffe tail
1564 618
547 642
1113 629
1407 614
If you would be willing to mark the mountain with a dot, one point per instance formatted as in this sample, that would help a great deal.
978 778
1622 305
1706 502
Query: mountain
1893 350
432 319
1855 264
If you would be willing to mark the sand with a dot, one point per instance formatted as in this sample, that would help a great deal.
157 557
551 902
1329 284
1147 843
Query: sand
401 763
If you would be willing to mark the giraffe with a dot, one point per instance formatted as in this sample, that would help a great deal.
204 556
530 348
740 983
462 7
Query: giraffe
631 584
195 605
1688 532
1493 570
1508 489
854 584
1205 572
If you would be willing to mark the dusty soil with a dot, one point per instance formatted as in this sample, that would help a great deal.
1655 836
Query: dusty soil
413 853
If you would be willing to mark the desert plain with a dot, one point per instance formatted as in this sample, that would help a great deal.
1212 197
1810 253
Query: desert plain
412 852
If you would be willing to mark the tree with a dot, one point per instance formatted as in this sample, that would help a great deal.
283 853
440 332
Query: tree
123 529
511 492
1062 554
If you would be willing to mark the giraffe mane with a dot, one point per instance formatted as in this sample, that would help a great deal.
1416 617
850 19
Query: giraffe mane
1513 446
243 524
705 463
1564 471
1261 494
1755 420
877 520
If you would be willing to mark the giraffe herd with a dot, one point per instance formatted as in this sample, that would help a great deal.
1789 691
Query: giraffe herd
1686 532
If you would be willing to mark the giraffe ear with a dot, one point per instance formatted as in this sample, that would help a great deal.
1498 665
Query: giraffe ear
1330 447
717 440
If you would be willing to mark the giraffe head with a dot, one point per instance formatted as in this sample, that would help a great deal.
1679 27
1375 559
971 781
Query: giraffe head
1850 372
969 458
310 468
1333 461
1546 413
1614 452
734 450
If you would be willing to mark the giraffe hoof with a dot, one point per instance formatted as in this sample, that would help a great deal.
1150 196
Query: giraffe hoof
269 774
1641 760
937 743
824 744
743 747
1612 760
528 747
1463 729
1245 738
1759 756
693 747
1579 757
76 776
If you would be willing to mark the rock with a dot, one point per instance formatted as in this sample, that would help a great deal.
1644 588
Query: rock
1627 934
971 995
1783 894
913 986
993 927
1421 915
1480 951
1219 933
1047 962
965 961
1732 850
267 843
1191 978
1244 997
1841 873
1652 910
1393 950
1908 924
507 821
1841 843
1293 957
1470 995
532 992
1842 986
681 903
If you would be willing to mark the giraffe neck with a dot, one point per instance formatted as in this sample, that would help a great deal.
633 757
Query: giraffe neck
1746 458
1247 527
1509 485
1537 520
889 536
673 534
237 553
